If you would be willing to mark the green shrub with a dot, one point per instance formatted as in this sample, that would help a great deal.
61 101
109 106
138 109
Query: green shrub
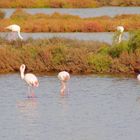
134 41
58 55
100 63
104 50
2 14
117 49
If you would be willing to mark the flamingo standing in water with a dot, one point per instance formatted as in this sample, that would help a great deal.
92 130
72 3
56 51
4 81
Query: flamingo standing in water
138 77
15 28
120 30
30 79
63 76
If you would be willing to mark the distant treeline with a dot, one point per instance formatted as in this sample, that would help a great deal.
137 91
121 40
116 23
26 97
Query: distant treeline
57 22
53 55
65 3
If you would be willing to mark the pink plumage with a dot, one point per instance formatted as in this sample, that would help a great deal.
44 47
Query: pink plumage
63 76
29 78
138 77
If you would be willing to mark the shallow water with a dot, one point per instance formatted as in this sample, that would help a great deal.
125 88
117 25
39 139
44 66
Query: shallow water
97 107
102 36
86 12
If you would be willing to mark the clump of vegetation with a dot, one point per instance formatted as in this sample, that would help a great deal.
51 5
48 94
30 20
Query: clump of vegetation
57 54
66 3
2 14
124 3
48 3
100 63
134 42
119 2
45 55
57 22
117 49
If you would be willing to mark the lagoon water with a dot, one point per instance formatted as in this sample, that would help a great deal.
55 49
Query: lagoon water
99 36
86 12
82 12
97 107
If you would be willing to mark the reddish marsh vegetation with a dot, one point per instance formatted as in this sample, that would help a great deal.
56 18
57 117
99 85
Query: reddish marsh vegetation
66 3
119 2
69 23
48 3
55 55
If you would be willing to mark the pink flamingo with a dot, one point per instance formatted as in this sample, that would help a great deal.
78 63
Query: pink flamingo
63 76
30 79
138 77
15 28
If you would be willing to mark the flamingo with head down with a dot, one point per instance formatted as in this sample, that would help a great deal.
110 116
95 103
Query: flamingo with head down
15 28
63 76
30 79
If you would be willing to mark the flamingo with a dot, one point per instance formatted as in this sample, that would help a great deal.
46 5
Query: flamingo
30 79
15 28
138 77
63 76
120 30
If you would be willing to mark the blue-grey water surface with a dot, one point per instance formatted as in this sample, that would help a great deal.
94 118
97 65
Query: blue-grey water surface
82 12
96 108
100 36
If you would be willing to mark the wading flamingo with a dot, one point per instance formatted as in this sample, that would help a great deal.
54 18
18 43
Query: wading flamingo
30 79
63 76
15 28
120 30
138 77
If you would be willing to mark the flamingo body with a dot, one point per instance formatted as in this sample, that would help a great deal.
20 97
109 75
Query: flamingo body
138 77
29 78
120 29
15 28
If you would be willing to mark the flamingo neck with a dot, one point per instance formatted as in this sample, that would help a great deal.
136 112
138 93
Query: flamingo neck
120 38
63 87
22 73
20 35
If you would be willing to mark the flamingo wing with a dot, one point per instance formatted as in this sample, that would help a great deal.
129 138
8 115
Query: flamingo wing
31 79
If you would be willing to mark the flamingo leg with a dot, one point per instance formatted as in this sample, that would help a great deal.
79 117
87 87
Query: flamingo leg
67 88
28 94
63 87
32 93
9 36
13 36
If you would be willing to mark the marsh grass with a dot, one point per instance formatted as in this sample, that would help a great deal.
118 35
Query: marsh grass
65 3
57 22
57 54
2 14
